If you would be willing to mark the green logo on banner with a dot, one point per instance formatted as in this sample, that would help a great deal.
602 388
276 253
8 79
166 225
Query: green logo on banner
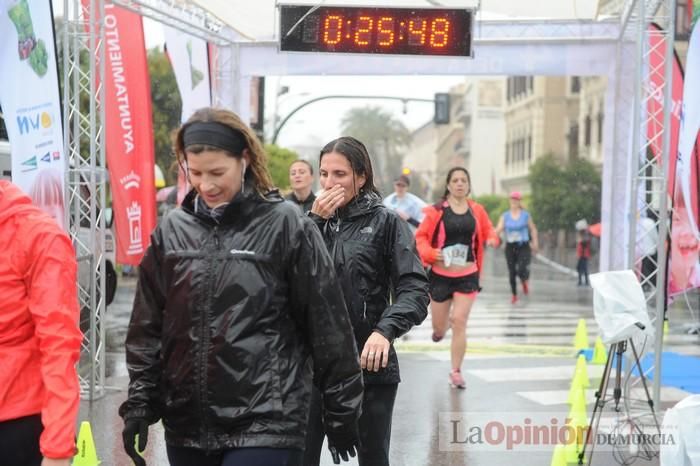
29 164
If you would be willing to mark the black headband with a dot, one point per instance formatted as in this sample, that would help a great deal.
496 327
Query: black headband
214 134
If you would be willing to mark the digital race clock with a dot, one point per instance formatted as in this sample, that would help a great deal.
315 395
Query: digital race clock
404 31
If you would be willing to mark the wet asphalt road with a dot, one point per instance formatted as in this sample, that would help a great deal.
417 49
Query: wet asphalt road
501 338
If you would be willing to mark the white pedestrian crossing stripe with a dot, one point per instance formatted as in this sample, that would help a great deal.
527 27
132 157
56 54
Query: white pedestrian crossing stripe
559 397
533 373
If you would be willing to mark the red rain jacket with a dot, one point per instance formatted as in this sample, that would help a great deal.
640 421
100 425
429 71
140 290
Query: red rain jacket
39 335
429 239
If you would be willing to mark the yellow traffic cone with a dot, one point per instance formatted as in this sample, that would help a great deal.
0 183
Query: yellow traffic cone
577 426
581 337
87 454
559 456
571 452
600 355
576 385
578 406
582 370
579 423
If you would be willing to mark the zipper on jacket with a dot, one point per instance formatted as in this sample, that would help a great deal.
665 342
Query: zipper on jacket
204 338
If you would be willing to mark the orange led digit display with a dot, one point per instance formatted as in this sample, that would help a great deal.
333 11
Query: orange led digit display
385 31
416 32
400 31
363 32
439 32
332 30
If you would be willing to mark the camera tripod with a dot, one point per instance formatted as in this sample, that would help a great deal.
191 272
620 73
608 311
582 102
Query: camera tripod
616 350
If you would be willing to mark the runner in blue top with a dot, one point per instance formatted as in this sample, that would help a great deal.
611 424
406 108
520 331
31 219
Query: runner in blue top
408 206
521 243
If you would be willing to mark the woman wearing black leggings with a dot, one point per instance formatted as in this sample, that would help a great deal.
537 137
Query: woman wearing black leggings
521 243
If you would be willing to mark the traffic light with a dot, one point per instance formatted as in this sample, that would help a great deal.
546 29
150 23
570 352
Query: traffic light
442 109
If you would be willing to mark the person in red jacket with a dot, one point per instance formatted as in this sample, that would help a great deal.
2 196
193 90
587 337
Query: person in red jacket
583 254
451 240
39 335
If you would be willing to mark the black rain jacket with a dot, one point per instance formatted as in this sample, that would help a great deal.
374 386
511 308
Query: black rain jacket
304 205
225 318
383 280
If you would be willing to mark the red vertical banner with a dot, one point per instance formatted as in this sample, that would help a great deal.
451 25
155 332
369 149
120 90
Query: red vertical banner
129 132
655 106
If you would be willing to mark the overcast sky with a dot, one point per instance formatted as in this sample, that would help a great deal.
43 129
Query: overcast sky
320 121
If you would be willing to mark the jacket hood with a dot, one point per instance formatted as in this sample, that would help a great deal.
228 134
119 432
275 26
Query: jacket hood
244 203
13 201
362 204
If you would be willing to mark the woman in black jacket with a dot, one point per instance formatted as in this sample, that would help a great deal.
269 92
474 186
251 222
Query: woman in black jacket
384 285
235 292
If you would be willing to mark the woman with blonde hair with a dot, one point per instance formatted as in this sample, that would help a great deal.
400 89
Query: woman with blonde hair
236 295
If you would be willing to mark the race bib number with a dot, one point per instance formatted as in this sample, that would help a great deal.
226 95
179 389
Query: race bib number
456 254
514 237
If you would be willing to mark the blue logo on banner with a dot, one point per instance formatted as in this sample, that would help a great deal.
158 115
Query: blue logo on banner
28 124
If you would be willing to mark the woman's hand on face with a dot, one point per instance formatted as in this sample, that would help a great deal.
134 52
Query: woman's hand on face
328 201
375 354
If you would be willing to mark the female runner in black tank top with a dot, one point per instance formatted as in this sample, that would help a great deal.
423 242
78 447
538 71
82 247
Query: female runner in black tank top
452 241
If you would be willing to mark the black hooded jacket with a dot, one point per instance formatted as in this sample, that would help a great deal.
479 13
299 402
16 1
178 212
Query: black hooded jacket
225 317
304 205
383 280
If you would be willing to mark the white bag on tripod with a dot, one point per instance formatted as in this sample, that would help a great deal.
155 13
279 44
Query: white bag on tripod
620 308
682 422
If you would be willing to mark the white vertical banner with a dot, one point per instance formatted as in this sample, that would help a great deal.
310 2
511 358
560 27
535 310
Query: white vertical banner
684 262
31 103
190 61
189 58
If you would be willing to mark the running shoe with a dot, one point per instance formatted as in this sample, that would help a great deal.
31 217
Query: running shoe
514 299
456 380
437 338
526 289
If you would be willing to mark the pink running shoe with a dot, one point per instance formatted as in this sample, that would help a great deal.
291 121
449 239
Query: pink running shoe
526 288
456 380
514 299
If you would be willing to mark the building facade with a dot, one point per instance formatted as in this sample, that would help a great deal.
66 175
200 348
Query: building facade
473 138
541 117
592 119
484 133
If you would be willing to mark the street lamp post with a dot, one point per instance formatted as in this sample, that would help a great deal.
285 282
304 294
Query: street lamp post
363 97
282 94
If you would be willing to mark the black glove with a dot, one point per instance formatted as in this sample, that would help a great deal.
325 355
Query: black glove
132 428
342 444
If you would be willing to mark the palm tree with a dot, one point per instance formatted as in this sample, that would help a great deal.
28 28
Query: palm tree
386 139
